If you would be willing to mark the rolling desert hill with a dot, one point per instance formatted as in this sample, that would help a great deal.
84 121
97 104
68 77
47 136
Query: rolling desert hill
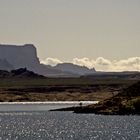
75 69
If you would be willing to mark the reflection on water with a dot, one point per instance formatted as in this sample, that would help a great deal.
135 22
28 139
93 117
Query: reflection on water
44 125
40 106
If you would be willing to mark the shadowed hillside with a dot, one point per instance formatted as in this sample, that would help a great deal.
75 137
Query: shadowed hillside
75 69
19 73
5 65
126 102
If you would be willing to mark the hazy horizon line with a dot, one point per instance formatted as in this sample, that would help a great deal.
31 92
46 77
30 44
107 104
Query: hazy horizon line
100 63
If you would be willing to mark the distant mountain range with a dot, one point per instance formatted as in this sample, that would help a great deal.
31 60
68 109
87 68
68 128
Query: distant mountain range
75 69
25 56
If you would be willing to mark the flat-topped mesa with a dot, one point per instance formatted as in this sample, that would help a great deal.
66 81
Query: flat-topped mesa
25 56
20 55
5 65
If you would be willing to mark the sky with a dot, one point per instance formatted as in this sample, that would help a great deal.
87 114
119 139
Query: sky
74 30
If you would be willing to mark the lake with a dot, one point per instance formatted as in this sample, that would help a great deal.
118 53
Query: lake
39 124
40 106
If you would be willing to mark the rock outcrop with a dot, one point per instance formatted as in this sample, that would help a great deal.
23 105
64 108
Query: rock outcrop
127 102
25 56
20 56
5 65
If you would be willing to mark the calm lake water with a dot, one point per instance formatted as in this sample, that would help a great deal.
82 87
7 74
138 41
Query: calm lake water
44 125
40 106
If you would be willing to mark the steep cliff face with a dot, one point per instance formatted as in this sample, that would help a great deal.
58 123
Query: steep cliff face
5 65
25 56
13 56
20 56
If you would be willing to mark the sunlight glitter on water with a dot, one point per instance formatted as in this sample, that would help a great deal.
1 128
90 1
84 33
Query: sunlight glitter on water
67 126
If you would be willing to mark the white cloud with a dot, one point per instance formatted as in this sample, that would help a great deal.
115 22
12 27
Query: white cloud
51 61
102 61
102 64
84 62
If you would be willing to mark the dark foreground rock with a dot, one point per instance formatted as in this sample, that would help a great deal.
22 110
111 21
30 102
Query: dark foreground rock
126 102
19 73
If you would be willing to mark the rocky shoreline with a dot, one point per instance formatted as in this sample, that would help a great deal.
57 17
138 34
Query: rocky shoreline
126 102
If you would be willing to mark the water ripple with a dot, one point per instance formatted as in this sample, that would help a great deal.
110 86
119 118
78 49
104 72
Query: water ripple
67 126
